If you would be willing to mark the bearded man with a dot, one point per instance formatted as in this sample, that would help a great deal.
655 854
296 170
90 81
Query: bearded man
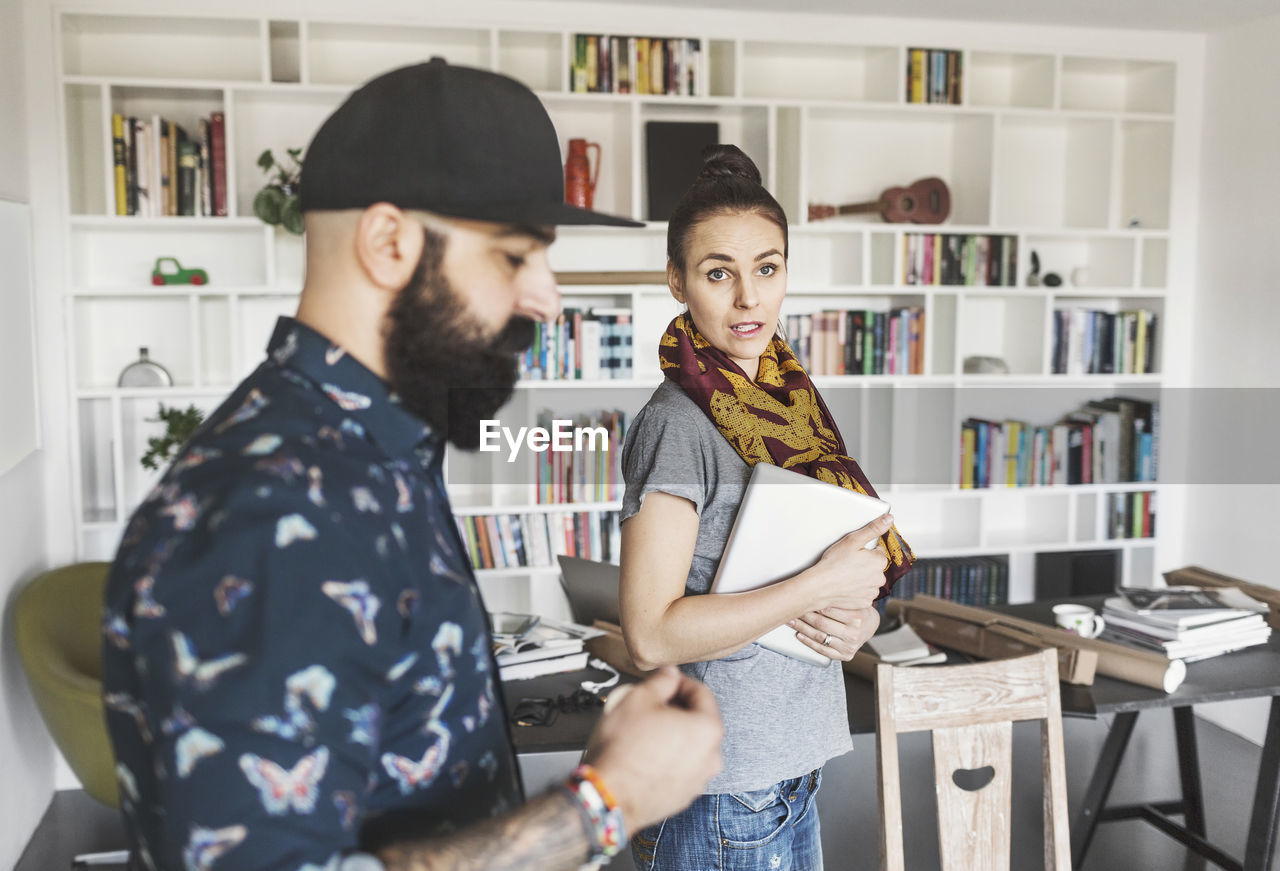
298 669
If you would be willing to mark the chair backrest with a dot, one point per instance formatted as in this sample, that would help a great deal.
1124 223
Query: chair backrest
58 627
970 709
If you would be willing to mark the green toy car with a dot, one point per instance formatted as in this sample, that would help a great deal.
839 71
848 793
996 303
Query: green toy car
169 271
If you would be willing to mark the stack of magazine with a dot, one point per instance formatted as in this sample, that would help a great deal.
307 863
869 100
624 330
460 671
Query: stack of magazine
1187 623
533 646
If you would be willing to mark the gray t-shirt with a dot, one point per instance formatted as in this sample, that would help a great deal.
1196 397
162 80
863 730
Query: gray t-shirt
782 717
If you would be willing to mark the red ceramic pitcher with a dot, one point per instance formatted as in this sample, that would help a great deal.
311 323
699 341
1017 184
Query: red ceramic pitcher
579 180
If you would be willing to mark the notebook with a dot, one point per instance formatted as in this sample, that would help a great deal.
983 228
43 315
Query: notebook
785 523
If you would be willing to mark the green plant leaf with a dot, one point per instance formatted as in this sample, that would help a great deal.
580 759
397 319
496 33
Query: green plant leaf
291 215
268 204
266 160
180 425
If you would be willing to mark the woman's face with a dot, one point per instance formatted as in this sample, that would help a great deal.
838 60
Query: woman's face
734 280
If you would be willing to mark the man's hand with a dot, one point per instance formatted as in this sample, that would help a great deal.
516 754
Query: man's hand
836 633
658 746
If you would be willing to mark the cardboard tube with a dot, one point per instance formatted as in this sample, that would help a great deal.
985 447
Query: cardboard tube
1148 669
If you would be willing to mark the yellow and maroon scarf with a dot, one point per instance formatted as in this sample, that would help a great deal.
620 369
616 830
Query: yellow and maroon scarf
779 418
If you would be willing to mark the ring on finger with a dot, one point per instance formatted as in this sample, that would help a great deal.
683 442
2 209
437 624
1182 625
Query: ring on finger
826 641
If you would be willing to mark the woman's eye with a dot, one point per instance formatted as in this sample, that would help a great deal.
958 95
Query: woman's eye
515 261
768 269
717 274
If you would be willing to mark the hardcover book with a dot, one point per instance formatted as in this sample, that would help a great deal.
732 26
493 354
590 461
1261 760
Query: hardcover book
673 159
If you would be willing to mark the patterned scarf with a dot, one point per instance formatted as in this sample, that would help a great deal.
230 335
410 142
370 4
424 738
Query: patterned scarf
779 418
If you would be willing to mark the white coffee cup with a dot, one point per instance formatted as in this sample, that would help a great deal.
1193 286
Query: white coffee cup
1080 619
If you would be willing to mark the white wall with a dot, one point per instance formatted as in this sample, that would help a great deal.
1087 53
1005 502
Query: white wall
26 753
1232 528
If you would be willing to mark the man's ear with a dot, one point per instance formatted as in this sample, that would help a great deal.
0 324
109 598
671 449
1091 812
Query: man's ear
675 282
388 245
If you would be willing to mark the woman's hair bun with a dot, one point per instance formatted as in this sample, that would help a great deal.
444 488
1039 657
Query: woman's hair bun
726 161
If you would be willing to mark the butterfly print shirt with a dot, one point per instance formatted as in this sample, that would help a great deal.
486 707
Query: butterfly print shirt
296 660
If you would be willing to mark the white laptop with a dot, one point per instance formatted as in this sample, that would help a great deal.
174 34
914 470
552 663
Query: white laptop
785 523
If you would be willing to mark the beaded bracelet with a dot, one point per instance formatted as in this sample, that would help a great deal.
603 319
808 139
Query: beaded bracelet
599 810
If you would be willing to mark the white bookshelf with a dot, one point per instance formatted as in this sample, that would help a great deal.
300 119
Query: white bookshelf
1071 153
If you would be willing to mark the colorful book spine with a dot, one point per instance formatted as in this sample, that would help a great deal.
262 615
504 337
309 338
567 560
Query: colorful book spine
187 167
218 149
119 176
978 580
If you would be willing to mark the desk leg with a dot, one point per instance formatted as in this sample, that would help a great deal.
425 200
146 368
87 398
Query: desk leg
1261 846
1104 775
1184 724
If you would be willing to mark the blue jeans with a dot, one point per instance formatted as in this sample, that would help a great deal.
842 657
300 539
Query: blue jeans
771 829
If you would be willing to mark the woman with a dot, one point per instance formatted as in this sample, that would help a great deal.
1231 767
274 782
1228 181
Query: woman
734 395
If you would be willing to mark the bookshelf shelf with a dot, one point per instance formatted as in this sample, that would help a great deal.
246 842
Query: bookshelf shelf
1117 85
514 574
350 54
160 394
538 508
809 72
1059 151
169 48
953 491
183 290
1000 79
1101 381
593 384
1030 549
175 222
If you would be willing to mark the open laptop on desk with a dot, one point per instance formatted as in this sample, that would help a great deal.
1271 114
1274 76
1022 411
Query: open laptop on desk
592 589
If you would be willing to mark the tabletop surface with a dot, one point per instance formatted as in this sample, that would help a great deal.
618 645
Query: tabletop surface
1244 674
1241 675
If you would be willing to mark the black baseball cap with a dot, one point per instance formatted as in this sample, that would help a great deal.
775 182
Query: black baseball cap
454 140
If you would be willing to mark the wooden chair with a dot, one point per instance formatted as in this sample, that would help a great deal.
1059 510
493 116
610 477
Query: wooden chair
970 710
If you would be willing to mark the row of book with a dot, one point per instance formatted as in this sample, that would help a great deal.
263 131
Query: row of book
581 346
1130 515
160 170
592 472
635 65
975 580
859 342
535 539
957 259
1185 622
1105 441
1092 342
933 76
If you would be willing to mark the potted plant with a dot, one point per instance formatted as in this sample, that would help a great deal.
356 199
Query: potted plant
179 425
278 203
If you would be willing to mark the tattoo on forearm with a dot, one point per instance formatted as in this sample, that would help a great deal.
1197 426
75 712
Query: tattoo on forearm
544 835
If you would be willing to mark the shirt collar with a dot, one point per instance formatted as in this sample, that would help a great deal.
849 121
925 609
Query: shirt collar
354 389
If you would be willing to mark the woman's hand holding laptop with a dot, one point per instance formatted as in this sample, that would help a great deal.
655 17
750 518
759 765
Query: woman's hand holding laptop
837 633
851 571
849 575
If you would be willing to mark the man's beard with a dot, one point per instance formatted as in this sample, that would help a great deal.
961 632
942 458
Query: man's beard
439 361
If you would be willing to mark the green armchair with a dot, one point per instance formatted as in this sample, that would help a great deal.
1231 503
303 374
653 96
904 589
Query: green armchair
58 625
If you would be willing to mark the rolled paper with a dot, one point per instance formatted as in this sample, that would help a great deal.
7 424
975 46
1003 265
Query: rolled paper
1120 661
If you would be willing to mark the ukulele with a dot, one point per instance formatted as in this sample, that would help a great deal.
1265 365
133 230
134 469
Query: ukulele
926 201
